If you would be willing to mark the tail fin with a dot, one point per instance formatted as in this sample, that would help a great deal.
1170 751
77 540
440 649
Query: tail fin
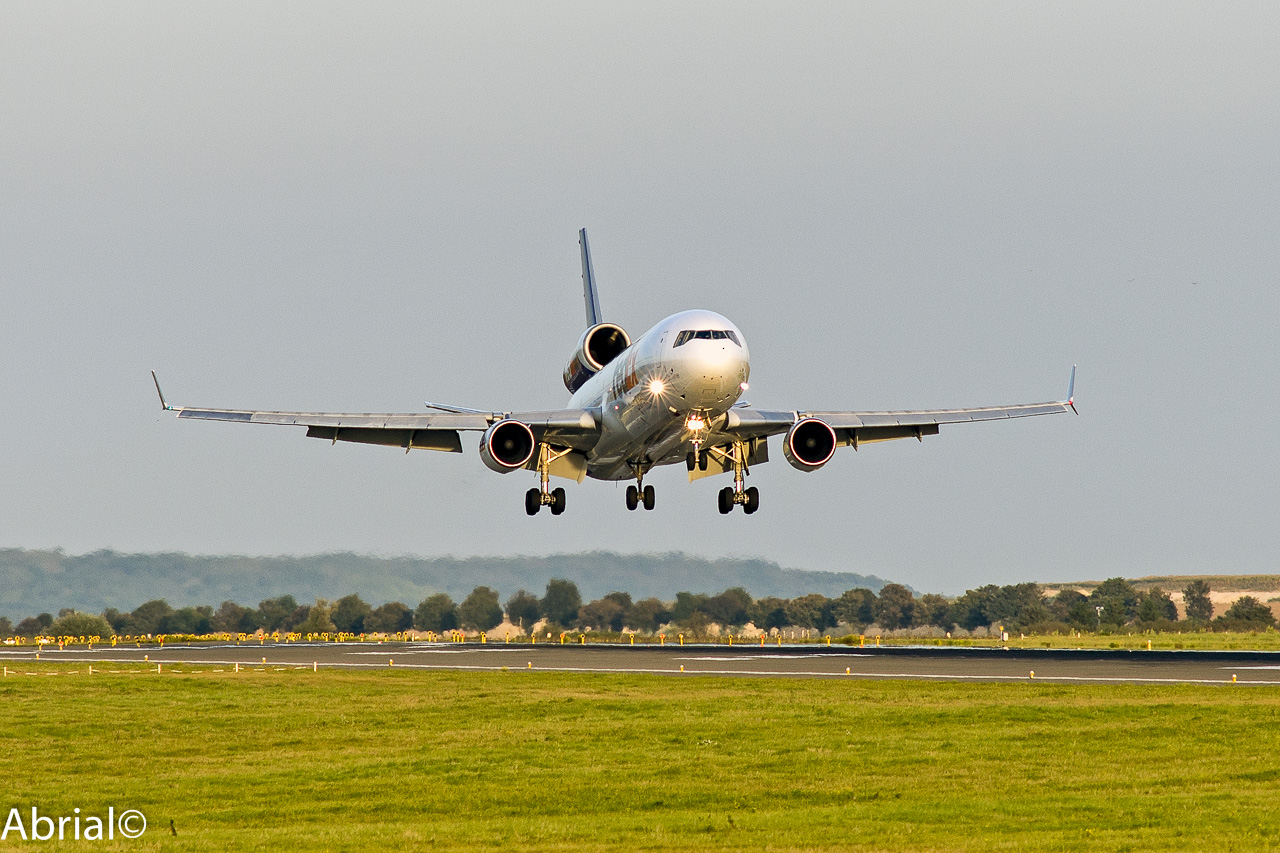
589 283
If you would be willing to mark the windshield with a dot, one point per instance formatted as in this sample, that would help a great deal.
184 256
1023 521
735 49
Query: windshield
706 335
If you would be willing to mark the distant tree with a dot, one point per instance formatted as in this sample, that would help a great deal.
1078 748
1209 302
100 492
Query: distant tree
730 607
349 613
623 600
318 620
933 610
436 613
480 610
6 627
1248 611
687 603
45 620
1196 601
561 602
1119 600
29 627
147 618
695 624
523 610
894 606
273 613
648 613
188 620
296 618
856 607
1082 615
1155 605
604 614
118 621
390 618
972 609
768 613
234 619
75 624
1061 605
810 611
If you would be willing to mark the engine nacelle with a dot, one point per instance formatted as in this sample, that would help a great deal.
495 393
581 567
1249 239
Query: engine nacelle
507 445
599 345
809 444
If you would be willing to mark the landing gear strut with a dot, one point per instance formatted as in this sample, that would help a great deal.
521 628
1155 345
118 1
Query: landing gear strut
730 496
536 499
639 493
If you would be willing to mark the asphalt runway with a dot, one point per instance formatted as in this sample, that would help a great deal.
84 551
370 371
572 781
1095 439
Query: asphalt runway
807 661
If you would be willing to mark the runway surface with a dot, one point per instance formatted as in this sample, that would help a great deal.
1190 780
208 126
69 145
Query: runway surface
807 661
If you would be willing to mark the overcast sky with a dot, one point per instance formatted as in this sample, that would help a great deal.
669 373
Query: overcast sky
355 207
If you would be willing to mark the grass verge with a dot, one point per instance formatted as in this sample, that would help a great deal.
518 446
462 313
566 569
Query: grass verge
552 761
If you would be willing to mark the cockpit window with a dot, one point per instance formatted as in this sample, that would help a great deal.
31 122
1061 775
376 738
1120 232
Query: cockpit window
706 335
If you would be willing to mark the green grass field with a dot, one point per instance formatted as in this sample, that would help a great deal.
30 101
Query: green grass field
295 760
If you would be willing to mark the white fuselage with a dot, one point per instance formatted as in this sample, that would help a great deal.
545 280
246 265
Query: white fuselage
694 363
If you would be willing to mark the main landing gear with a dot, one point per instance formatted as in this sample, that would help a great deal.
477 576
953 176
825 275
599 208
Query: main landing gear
536 499
731 496
749 498
636 496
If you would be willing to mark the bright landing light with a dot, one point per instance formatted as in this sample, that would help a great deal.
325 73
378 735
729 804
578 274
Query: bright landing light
695 423
656 387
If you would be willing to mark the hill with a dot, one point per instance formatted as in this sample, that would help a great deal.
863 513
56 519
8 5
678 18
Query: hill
36 581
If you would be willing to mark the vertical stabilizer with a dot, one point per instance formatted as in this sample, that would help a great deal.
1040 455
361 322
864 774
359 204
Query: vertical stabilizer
589 283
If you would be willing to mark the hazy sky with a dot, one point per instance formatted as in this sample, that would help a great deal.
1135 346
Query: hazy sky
359 207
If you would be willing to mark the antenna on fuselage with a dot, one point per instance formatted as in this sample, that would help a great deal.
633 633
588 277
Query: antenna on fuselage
589 283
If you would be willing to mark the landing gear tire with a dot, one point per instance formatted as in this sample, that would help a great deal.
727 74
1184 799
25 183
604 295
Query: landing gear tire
649 497
558 501
633 497
702 460
726 500
753 501
532 501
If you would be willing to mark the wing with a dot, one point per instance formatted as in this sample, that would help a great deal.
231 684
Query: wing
576 429
854 428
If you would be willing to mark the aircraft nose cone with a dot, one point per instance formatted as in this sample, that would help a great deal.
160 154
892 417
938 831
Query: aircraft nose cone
712 371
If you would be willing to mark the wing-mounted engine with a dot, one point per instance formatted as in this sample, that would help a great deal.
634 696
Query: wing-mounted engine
809 444
599 345
507 445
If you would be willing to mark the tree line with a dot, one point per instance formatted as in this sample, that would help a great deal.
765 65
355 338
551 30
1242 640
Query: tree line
1113 605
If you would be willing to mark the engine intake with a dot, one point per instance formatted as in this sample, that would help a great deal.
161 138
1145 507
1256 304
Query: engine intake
598 346
810 444
507 445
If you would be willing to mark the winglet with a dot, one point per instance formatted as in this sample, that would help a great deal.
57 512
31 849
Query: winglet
589 282
163 404
1071 390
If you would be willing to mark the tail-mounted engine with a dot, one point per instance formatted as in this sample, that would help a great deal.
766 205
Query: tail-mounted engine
507 445
809 444
599 345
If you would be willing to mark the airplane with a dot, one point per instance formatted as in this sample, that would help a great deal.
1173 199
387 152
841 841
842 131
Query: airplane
671 396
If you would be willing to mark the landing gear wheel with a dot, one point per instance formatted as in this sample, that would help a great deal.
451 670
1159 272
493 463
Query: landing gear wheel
726 500
649 497
702 460
557 501
633 497
753 501
532 501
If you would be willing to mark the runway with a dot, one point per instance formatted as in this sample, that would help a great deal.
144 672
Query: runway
799 661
